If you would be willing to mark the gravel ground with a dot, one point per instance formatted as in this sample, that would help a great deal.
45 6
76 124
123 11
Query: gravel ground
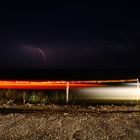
72 123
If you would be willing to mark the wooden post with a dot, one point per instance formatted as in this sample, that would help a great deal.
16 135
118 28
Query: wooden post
138 87
24 97
67 92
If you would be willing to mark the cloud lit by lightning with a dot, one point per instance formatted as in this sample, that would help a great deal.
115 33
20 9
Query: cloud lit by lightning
36 54
43 55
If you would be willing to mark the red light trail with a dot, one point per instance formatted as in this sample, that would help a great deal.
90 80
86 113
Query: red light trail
43 84
14 84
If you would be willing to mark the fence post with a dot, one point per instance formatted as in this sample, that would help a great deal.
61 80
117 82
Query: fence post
24 97
138 87
67 92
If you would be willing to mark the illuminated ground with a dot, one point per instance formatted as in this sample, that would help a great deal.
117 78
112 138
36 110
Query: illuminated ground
70 122
73 123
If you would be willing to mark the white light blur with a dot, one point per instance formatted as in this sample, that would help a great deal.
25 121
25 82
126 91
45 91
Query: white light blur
111 92
132 84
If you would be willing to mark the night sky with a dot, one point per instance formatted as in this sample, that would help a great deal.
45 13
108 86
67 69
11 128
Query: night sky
68 36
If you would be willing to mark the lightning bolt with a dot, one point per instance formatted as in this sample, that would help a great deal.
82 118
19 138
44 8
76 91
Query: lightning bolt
41 51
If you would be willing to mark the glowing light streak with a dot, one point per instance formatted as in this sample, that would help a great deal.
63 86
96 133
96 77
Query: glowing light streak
43 55
111 93
42 85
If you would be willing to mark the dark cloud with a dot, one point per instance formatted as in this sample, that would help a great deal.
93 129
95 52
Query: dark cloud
70 55
72 36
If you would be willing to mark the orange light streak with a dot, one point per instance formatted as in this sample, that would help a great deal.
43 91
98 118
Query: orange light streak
44 84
